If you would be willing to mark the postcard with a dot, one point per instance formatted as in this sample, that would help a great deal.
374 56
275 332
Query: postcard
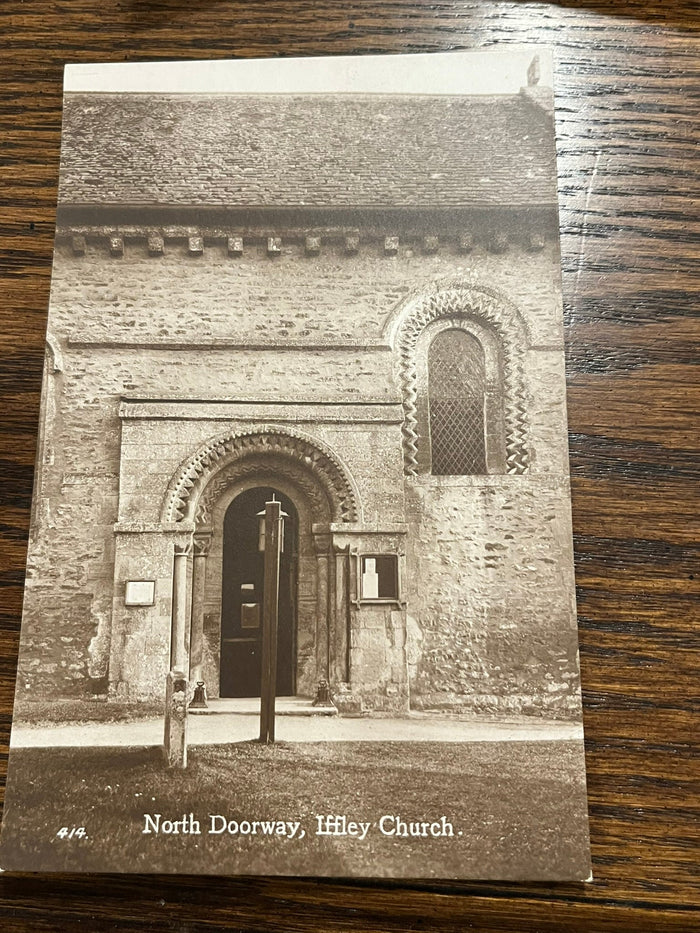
300 586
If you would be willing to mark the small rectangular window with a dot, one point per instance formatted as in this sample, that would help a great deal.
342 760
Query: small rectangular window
379 578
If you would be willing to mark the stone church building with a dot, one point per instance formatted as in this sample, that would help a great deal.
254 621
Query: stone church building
352 303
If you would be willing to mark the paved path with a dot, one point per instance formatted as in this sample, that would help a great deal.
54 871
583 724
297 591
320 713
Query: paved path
221 727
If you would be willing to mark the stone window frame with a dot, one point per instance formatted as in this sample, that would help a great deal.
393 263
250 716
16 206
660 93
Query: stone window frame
494 422
459 298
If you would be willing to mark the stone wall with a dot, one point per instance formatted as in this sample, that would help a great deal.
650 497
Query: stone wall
491 597
329 298
489 567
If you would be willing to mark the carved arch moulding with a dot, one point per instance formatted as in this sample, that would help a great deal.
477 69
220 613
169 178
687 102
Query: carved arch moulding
307 456
264 471
458 300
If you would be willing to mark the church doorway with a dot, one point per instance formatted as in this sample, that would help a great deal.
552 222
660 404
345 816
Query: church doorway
242 597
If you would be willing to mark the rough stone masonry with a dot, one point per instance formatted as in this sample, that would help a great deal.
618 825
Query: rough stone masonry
245 294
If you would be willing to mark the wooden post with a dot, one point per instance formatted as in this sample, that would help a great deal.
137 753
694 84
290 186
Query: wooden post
271 583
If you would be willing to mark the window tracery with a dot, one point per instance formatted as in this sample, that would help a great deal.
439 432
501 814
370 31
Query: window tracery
456 401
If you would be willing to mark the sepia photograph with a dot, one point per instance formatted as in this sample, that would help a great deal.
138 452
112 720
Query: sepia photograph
300 588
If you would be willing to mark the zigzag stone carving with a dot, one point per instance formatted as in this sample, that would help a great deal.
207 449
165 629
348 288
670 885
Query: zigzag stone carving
256 466
457 301
193 475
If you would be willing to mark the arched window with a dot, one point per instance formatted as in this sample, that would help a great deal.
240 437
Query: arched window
457 396
459 359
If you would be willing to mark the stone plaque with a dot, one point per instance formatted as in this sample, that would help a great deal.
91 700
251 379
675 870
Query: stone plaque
140 593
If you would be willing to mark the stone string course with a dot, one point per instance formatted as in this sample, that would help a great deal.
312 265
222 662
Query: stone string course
189 241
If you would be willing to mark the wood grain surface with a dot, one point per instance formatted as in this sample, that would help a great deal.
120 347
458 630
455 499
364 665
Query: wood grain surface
628 100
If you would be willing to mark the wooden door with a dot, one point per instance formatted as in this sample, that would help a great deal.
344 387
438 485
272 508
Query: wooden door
241 598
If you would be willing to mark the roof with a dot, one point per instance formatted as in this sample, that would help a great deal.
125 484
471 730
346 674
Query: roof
307 151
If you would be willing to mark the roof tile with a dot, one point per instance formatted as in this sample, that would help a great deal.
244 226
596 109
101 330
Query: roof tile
312 150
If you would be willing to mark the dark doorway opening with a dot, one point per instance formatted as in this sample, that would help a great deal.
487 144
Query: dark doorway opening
242 597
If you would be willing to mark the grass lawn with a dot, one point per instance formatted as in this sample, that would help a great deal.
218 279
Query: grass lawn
518 809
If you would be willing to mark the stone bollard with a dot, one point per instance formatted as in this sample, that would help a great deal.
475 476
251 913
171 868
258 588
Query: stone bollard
175 743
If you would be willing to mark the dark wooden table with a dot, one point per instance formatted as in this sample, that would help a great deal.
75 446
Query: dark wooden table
628 96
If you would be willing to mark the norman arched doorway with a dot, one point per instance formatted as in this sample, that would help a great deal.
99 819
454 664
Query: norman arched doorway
322 500
242 597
